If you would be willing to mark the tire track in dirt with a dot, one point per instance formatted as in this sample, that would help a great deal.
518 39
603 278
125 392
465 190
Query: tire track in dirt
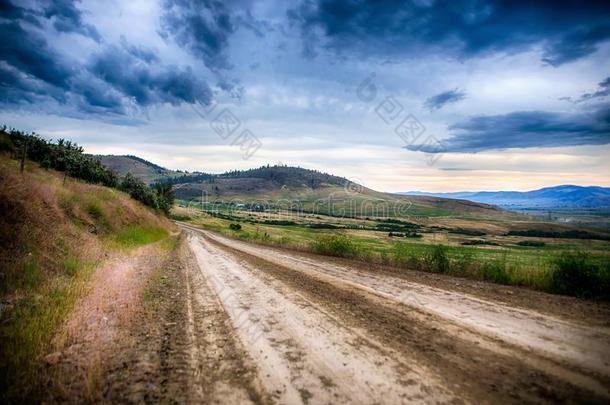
476 366
585 347
303 353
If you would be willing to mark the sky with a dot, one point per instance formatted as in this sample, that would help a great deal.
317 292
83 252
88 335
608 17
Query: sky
396 95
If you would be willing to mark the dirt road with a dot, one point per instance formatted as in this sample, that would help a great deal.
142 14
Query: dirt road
315 330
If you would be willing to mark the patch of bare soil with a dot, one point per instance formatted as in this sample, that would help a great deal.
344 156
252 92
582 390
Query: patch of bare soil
151 331
98 333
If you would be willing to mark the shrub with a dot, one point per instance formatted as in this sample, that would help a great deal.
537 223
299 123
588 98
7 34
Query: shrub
335 245
475 242
468 232
437 259
235 227
69 158
5 143
569 234
576 274
496 271
138 190
403 255
532 243
165 196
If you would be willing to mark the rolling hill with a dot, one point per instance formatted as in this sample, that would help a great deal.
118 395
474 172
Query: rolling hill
564 196
142 168
295 188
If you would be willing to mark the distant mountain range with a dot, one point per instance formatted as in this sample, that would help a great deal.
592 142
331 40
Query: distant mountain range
565 196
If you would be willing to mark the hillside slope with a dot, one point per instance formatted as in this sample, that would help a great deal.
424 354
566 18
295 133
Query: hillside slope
54 232
141 168
313 191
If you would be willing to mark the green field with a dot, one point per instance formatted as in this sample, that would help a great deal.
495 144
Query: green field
480 249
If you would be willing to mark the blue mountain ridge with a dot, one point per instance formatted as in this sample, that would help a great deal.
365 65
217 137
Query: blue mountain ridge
563 196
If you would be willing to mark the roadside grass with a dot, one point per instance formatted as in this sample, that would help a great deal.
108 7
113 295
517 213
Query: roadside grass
577 274
138 235
28 333
534 264
52 234
336 245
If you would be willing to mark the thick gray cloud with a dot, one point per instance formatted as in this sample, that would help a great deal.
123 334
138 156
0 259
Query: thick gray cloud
202 27
130 71
67 18
29 52
526 129
442 99
568 30
115 78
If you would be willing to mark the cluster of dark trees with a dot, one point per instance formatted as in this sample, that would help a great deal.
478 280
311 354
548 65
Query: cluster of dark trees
189 178
290 176
569 234
68 157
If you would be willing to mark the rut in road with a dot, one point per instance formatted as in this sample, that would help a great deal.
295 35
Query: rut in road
302 351
582 346
415 354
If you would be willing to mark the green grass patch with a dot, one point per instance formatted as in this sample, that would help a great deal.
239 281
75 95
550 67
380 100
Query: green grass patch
336 245
27 329
138 235
180 217
95 210
575 273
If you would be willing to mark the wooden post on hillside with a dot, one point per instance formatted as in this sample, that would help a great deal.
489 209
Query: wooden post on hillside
23 155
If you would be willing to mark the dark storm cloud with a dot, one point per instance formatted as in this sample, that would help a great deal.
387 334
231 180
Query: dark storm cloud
17 88
568 30
67 18
147 83
527 129
29 52
201 27
442 99
116 78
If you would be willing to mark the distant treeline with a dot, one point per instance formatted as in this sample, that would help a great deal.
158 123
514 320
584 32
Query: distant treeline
189 178
569 234
284 175
290 176
68 157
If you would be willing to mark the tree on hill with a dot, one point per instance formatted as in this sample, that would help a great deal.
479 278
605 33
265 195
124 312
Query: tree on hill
68 157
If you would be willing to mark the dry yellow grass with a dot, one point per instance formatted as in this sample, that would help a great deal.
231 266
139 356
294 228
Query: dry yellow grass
53 234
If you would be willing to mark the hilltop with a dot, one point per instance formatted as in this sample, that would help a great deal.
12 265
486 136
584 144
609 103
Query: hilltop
141 168
297 188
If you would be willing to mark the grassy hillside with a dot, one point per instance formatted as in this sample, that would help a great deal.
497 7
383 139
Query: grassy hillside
54 232
140 168
292 188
